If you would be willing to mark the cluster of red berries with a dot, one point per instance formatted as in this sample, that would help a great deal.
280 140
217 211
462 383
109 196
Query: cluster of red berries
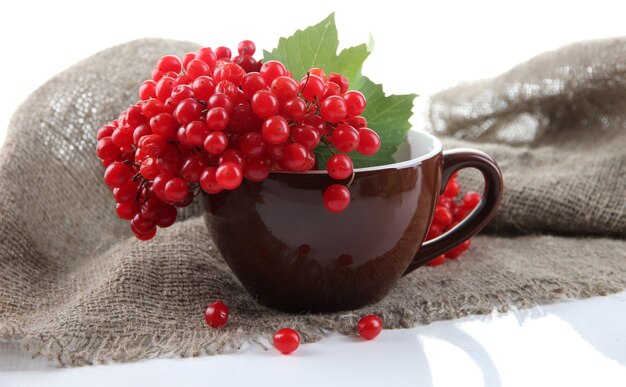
448 214
287 340
208 120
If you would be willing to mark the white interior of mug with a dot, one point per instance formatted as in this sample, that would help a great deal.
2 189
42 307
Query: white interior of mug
419 147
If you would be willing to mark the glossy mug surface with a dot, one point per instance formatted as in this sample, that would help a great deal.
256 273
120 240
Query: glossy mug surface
290 253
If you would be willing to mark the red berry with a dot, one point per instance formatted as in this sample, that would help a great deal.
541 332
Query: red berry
156 75
246 47
216 143
256 170
311 87
460 249
206 55
188 110
433 232
293 109
196 132
105 131
331 89
141 225
123 137
437 261
253 82
158 186
271 70
233 156
183 79
264 103
442 217
370 326
126 193
181 92
336 198
275 151
252 144
192 169
208 181
452 189
167 216
357 122
176 189
217 118
355 102
152 107
107 150
117 174
229 175
203 87
169 63
197 68
230 72
147 90
243 120
295 157
150 209
339 166
147 236
446 202
247 62
461 213
223 53
170 161
163 124
310 162
369 142
164 88
318 72
220 100
216 314
275 130
126 211
345 138
315 121
286 340
188 57
339 80
471 200
149 169
333 109
306 135
284 88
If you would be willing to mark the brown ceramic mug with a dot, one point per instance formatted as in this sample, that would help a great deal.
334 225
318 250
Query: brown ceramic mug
290 253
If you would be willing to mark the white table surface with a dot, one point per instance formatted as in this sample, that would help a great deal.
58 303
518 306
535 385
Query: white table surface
570 343
418 49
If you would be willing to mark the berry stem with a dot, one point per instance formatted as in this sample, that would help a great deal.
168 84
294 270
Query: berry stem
330 148
351 180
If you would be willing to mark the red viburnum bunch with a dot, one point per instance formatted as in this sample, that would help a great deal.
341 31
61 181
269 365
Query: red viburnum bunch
209 120
448 214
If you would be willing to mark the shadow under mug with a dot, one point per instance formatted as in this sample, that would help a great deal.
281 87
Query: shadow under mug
291 254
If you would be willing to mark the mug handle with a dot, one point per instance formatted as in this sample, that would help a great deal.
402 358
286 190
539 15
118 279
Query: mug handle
454 160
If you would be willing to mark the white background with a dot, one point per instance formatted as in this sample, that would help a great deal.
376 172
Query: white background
419 47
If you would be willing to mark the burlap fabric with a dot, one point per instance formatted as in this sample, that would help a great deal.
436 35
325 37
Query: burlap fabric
74 286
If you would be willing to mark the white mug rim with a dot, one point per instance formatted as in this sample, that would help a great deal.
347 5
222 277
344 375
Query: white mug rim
414 137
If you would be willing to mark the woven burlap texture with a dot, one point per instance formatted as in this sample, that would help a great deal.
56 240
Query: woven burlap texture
76 287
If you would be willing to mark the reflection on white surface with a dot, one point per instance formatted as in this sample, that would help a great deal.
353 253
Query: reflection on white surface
571 343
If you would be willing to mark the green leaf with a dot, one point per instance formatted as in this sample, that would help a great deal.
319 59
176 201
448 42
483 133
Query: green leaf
316 46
